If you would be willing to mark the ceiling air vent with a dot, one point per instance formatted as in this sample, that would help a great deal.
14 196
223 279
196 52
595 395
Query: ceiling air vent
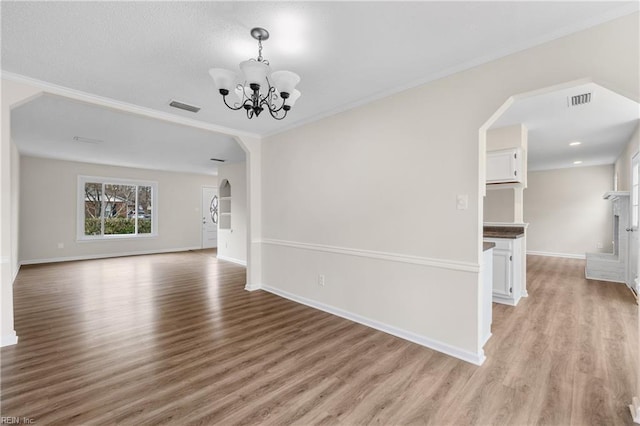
182 105
576 100
87 140
217 159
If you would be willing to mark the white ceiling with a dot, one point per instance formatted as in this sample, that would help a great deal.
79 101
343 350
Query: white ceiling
47 125
603 126
146 53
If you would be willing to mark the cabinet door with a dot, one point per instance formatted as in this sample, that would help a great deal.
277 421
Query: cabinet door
502 272
503 166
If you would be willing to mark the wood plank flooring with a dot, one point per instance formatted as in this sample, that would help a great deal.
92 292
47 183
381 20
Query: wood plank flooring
175 339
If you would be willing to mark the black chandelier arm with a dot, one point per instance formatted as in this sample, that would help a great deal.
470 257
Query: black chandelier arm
224 99
274 113
269 98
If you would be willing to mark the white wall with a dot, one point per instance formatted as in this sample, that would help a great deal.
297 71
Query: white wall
13 95
232 243
15 208
499 205
48 205
623 163
566 212
367 197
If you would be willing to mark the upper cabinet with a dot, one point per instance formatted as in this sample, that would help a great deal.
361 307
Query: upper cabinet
505 166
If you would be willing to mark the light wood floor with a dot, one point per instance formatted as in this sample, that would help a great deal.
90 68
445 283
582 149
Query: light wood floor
175 339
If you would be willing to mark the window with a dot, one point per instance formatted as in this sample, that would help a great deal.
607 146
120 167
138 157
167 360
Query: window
116 208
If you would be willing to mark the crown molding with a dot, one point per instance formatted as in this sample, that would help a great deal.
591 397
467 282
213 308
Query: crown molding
122 106
627 9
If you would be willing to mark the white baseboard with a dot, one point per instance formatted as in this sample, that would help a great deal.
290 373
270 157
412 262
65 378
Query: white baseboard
105 256
501 301
15 273
9 339
232 260
608 280
464 355
252 287
552 254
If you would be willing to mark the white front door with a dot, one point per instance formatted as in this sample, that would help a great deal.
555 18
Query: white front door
210 214
634 238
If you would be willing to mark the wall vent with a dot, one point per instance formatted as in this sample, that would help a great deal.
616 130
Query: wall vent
182 105
217 159
581 99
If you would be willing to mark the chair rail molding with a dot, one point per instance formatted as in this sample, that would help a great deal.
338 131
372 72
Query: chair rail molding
455 265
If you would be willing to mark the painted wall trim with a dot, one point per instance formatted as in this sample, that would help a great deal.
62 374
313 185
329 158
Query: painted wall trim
552 254
15 273
105 256
123 106
464 355
253 287
454 265
624 10
232 260
8 340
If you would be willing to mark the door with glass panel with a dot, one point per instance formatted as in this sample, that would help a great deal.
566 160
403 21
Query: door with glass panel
210 214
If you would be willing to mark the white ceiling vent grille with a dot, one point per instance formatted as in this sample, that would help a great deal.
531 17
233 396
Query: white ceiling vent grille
581 99
182 105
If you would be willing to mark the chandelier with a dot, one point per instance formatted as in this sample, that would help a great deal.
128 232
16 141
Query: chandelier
260 88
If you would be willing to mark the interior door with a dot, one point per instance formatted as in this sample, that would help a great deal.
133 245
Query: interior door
210 214
634 237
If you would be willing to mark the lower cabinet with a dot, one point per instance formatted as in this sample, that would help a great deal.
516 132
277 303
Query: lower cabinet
507 270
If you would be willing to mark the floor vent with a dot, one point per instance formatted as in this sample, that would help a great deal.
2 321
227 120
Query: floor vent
182 105
576 100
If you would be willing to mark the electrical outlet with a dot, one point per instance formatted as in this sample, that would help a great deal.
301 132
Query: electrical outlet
321 280
60 245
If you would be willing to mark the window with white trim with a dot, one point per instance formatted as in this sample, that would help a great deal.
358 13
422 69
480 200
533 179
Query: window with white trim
116 208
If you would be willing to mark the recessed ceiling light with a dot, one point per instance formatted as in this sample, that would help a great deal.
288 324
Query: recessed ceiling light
577 162
576 143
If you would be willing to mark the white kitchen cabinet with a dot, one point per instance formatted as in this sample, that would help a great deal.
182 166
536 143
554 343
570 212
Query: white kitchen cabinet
507 270
504 166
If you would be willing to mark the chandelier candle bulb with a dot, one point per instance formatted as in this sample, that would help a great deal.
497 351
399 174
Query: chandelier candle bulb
260 89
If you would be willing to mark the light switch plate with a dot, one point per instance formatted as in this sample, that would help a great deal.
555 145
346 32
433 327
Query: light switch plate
462 202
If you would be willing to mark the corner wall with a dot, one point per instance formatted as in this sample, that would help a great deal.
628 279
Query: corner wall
367 197
623 163
13 94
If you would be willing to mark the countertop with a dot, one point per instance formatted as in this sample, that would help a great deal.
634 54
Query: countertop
511 232
486 246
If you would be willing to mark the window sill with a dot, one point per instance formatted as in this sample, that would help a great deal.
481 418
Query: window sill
115 238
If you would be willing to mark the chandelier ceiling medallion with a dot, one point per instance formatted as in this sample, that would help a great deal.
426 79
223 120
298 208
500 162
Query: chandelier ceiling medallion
260 88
